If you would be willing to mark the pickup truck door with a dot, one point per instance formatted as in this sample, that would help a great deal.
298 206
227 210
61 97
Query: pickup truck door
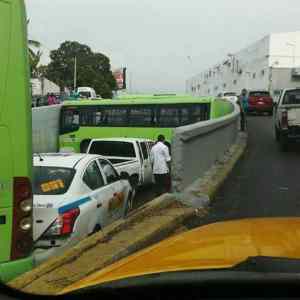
115 206
146 165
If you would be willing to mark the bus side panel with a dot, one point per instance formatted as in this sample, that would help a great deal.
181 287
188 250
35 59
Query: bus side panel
15 124
73 140
5 229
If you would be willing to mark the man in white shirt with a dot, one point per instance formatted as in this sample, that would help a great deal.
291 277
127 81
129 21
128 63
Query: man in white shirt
161 160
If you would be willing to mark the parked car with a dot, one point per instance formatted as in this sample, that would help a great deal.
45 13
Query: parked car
230 96
260 102
86 92
129 155
75 195
287 118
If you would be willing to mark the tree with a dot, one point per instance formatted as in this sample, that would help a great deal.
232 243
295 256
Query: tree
93 69
34 57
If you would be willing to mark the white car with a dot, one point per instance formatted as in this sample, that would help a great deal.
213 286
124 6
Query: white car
230 96
75 195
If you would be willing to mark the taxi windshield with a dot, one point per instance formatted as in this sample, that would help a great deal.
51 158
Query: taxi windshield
51 180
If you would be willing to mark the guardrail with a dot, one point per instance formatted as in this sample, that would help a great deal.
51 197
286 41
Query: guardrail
195 148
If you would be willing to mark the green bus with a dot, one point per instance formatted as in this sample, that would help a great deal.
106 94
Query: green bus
135 117
16 152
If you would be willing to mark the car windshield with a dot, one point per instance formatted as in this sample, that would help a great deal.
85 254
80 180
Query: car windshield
189 121
229 94
259 94
291 97
113 148
52 180
85 94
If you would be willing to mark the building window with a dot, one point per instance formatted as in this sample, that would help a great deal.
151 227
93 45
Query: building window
235 81
254 75
262 72
224 85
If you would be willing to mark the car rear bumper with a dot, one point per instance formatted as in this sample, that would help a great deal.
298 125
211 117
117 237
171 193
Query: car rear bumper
13 269
292 134
260 108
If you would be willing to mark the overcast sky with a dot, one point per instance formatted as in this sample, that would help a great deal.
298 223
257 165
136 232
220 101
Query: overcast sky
153 38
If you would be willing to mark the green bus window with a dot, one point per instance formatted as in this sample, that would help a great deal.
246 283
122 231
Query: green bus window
184 116
168 116
70 120
115 116
141 117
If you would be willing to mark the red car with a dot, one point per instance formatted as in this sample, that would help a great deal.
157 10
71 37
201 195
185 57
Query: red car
260 102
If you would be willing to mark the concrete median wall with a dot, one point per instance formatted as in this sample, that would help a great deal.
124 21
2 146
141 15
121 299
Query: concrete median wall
195 148
45 128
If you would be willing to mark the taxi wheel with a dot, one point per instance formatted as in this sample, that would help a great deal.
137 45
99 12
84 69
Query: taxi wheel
129 204
97 229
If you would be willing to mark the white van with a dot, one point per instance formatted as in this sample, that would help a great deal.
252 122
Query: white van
87 92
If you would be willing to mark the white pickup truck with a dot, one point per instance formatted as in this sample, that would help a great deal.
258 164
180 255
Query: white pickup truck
287 118
129 155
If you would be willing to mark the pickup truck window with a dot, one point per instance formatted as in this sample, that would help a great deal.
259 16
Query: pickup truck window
291 97
144 150
93 177
113 148
109 171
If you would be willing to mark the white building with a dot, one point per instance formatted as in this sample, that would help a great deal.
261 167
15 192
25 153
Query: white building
269 64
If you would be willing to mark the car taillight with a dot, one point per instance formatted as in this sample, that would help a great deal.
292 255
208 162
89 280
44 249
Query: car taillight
284 120
22 241
69 219
64 224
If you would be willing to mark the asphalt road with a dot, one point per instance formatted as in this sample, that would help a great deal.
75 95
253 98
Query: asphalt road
264 183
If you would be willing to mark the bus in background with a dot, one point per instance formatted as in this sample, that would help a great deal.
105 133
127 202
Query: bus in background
16 151
135 118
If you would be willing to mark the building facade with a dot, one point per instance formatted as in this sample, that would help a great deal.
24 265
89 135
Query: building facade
269 64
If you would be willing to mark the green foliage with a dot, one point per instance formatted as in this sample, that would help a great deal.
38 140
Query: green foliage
34 57
93 69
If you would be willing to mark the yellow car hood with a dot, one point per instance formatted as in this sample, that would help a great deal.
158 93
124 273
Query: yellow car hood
219 245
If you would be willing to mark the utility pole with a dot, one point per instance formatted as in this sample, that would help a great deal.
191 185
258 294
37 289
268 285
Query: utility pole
293 45
75 73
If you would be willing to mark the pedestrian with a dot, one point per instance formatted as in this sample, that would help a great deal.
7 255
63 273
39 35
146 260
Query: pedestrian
243 104
161 166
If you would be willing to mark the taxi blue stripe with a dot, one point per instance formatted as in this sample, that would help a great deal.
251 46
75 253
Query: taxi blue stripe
73 205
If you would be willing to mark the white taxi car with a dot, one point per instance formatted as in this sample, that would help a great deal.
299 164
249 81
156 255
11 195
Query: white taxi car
75 195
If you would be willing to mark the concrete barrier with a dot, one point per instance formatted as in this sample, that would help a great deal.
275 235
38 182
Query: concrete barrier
197 147
45 128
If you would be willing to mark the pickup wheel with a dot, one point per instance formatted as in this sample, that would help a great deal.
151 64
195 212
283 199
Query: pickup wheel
96 229
283 142
276 134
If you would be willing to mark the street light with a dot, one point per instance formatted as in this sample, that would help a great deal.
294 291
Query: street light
275 63
294 52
